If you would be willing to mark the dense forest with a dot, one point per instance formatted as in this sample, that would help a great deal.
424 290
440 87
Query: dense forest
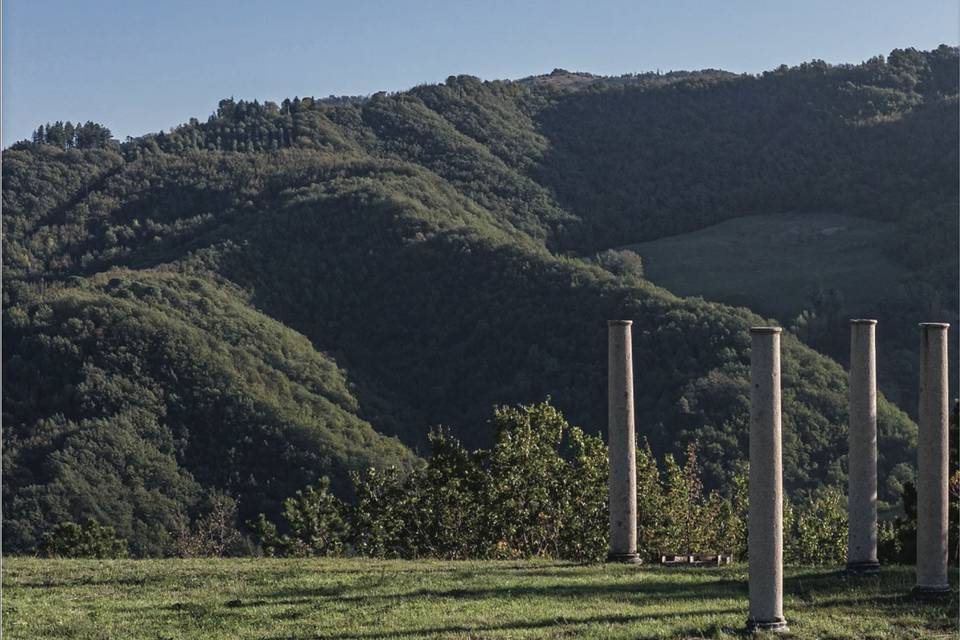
243 305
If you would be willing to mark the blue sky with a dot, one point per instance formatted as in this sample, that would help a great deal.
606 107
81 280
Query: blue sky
139 66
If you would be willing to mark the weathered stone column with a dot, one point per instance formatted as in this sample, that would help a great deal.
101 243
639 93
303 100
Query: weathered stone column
932 454
862 453
622 444
765 524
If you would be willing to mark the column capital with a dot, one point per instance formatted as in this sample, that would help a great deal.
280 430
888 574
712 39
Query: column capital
765 329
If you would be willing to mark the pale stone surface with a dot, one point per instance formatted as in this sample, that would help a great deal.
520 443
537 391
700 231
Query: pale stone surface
765 530
862 453
932 461
622 444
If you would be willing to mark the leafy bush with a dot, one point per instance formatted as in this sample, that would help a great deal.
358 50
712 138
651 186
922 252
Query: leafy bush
540 491
546 488
675 515
815 529
651 504
89 540
898 542
385 514
622 262
314 524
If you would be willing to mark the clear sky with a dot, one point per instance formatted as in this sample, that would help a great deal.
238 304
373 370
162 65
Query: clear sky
147 65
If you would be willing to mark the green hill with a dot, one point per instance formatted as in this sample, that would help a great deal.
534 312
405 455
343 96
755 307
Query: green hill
764 261
249 301
812 271
129 394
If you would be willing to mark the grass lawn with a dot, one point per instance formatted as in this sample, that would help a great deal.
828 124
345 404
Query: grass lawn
359 598
770 263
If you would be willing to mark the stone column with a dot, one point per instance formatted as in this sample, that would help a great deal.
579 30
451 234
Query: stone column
765 523
862 453
622 445
932 454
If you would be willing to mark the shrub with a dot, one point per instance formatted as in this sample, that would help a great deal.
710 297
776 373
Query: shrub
384 509
546 485
899 540
815 529
731 523
214 534
622 262
314 524
89 540
651 501
541 490
448 512
674 515
684 504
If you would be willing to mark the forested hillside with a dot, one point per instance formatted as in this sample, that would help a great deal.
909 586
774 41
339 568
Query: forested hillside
281 292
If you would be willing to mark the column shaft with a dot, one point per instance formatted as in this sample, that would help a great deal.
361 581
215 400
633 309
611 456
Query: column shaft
765 530
862 453
932 461
622 444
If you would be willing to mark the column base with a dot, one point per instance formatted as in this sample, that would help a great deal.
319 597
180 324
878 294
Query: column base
863 568
779 624
624 558
931 593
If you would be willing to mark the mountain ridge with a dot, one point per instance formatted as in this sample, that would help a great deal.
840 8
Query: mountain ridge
433 246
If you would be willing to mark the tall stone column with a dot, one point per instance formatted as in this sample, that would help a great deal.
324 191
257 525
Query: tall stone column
932 454
862 453
622 444
765 524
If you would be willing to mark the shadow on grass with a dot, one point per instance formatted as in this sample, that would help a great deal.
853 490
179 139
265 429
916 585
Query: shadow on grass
560 625
372 565
806 592
887 600
886 589
648 590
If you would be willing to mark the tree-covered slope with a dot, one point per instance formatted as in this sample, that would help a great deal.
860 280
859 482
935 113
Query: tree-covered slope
130 395
876 140
185 299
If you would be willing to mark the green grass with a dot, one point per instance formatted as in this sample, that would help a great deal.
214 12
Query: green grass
770 263
359 598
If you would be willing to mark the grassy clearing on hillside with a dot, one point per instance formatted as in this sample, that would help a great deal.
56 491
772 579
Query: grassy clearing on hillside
359 599
770 263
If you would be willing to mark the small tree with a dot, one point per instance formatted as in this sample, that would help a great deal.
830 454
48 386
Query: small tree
651 524
90 540
449 509
213 534
816 531
622 262
381 512
731 534
684 504
546 484
314 522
